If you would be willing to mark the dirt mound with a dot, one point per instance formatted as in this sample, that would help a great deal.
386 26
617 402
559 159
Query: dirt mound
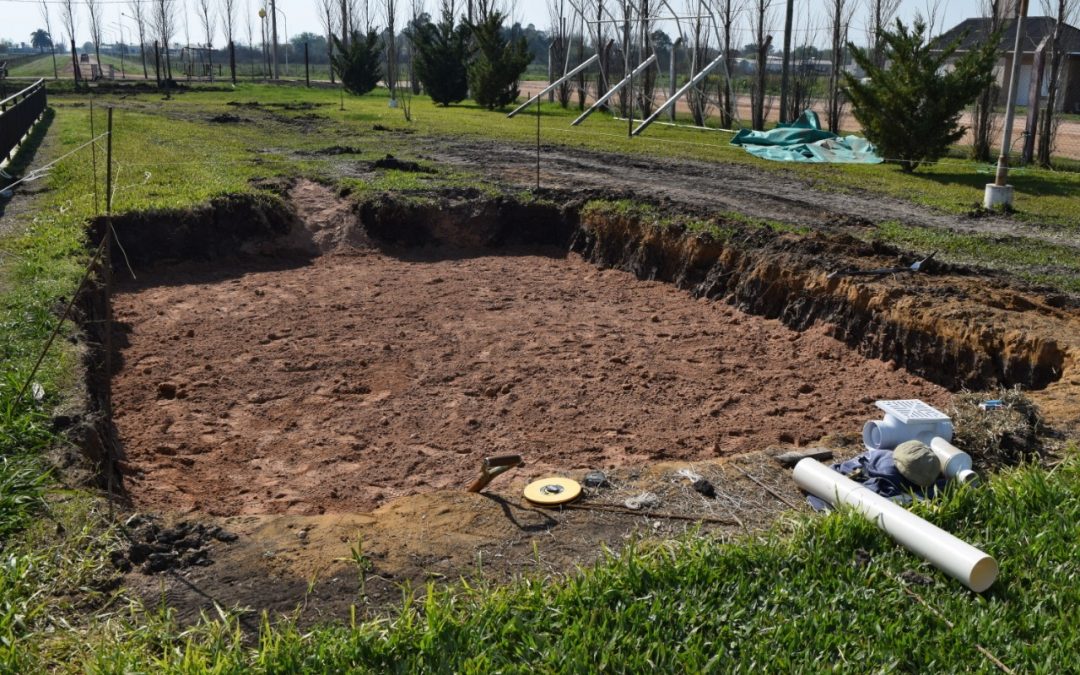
391 162
154 547
226 118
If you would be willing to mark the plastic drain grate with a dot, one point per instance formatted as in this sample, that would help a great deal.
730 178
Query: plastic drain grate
912 410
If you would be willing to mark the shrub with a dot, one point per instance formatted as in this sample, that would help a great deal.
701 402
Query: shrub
910 108
499 62
442 52
360 64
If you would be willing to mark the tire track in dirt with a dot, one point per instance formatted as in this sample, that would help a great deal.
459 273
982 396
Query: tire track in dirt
772 194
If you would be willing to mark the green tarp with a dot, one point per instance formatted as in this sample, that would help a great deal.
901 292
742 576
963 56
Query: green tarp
805 141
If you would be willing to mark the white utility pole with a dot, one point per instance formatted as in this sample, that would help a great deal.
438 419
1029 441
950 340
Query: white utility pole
1000 193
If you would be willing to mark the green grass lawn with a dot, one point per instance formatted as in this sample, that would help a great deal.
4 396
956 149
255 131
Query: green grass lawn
954 185
41 66
792 600
1045 200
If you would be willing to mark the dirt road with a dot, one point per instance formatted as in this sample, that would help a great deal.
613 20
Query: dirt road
716 186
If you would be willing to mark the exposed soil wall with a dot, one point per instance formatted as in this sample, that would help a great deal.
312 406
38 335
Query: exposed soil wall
953 330
227 226
469 221
87 420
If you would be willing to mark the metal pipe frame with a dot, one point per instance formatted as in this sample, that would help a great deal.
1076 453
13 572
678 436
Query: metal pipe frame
584 64
685 88
614 90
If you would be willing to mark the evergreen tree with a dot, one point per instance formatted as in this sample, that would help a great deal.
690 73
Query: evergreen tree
359 65
442 52
910 108
498 63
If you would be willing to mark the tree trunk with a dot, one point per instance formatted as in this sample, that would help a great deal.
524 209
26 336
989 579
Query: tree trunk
758 100
727 110
1046 131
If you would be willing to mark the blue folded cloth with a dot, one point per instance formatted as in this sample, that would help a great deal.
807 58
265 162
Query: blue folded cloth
876 471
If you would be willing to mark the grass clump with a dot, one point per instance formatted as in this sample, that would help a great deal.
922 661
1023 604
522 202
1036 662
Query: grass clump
1031 259
1000 437
725 227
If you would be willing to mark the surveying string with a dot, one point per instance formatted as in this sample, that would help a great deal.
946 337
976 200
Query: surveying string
36 173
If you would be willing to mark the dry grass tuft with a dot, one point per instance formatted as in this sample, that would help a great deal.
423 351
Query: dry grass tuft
1005 436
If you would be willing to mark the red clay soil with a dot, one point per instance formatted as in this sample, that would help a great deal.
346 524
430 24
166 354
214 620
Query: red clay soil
336 385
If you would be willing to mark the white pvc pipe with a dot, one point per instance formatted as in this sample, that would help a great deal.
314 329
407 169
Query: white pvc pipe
953 459
957 558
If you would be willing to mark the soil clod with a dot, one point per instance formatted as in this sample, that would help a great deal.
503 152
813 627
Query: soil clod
154 548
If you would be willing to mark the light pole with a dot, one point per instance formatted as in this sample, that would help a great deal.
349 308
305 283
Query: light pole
142 44
123 75
274 11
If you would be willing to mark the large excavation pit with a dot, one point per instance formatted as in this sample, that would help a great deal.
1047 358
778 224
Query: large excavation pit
337 384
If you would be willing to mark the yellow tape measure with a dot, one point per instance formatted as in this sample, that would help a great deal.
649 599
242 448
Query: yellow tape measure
552 491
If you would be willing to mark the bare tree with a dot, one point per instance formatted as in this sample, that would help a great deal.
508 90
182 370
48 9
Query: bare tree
626 48
138 13
228 23
52 38
164 26
485 8
206 18
581 86
840 13
96 10
416 11
390 8
601 44
762 17
250 23
326 18
559 50
1064 12
344 22
880 14
648 10
697 99
360 13
726 14
69 18
984 120
804 81
934 12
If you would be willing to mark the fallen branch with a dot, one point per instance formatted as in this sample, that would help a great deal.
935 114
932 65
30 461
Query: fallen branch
766 488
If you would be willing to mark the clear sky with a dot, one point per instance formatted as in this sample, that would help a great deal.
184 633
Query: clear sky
21 17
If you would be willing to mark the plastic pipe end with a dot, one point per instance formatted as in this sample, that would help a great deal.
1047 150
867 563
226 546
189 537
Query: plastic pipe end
983 574
871 435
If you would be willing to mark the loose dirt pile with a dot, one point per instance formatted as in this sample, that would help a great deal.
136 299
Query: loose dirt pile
341 384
